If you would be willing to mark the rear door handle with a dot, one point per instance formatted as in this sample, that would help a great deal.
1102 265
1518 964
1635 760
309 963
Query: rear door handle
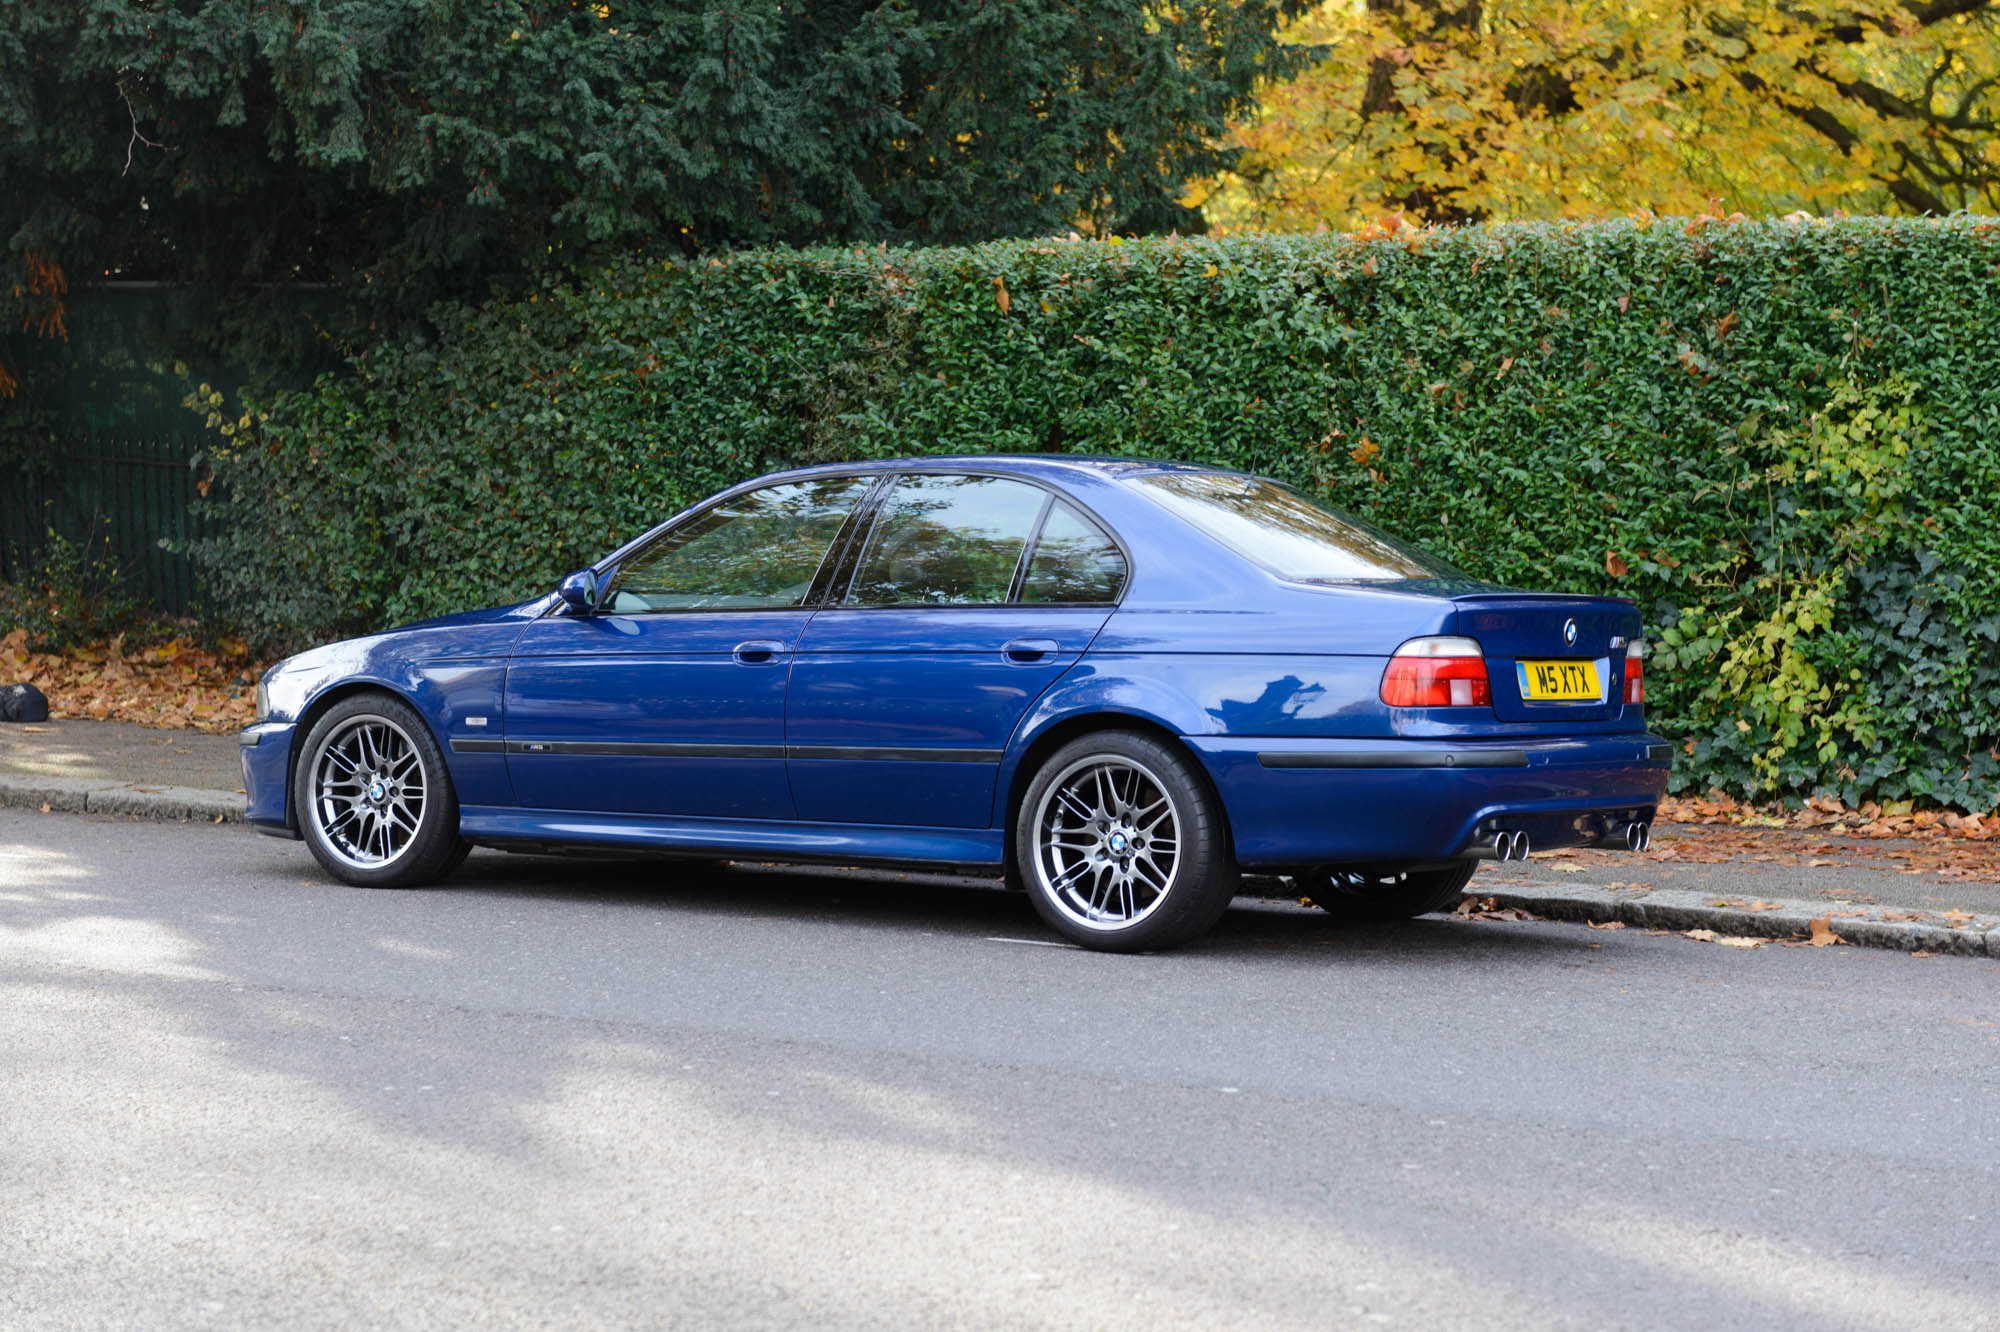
1031 649
759 650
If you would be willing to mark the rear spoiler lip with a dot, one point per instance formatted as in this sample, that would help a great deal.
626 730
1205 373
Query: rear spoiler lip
1564 598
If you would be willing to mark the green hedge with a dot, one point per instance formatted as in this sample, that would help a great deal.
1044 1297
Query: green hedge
1782 439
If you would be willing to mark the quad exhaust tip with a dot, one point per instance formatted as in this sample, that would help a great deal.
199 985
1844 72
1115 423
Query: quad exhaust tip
1510 845
1638 836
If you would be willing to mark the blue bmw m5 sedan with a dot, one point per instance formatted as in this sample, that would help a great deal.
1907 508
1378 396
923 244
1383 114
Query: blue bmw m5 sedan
1120 681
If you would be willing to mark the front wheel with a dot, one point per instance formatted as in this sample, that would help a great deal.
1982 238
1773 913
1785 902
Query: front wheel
372 796
1363 896
1121 845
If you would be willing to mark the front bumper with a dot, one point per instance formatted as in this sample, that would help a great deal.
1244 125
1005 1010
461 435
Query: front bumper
266 750
1295 802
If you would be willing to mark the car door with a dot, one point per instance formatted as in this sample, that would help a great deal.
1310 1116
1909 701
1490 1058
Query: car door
670 698
969 596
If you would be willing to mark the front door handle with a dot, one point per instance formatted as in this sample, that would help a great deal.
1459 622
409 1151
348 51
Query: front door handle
1031 649
759 650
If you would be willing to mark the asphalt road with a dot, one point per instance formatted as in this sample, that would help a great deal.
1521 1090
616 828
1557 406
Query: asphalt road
564 1094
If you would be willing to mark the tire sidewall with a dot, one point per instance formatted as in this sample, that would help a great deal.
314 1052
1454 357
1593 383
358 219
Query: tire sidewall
1204 877
430 852
1424 891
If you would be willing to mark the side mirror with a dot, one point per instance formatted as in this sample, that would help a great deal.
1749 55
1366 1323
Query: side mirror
579 591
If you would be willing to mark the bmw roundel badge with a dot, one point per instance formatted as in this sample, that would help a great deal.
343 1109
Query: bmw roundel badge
1569 633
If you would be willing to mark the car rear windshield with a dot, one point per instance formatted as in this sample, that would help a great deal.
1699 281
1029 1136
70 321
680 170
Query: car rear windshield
1286 532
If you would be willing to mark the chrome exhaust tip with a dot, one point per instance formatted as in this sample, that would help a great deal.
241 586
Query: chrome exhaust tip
1503 846
1519 846
1638 836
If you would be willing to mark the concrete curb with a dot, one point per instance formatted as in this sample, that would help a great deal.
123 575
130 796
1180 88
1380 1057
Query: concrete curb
1677 909
97 795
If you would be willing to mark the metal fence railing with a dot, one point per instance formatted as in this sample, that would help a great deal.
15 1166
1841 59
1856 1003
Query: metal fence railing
117 494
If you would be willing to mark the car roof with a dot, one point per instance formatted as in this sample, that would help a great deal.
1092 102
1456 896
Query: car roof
1045 465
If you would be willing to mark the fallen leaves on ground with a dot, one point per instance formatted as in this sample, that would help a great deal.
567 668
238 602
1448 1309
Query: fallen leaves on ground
172 684
1955 857
1488 908
1605 924
1898 818
1726 940
1739 904
1822 933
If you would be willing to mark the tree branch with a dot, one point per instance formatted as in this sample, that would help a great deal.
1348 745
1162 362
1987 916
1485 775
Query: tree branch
131 111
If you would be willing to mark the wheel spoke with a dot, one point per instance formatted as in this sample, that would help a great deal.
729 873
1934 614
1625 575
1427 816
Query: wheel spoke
1069 876
1100 888
1076 805
1107 842
362 832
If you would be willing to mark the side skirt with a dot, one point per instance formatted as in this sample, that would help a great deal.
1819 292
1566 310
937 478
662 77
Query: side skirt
841 843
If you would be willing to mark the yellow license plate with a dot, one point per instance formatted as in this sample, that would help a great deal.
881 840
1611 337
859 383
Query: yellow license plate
1559 681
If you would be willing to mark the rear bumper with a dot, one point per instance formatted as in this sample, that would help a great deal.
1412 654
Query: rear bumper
1295 802
266 749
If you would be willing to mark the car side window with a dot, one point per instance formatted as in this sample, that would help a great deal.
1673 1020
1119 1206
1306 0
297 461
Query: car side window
757 551
946 540
1074 562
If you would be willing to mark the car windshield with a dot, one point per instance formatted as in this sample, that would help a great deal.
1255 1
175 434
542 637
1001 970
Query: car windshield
1288 533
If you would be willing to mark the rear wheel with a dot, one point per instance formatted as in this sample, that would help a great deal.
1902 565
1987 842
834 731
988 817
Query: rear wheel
1364 896
372 796
1121 846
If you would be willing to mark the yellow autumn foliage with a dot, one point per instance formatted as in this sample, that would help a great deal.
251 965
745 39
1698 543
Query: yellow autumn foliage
1457 111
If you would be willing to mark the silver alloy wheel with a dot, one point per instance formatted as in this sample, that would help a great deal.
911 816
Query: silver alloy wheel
1107 842
368 791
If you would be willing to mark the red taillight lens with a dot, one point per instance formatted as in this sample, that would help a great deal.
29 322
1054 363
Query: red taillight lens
1437 673
1635 672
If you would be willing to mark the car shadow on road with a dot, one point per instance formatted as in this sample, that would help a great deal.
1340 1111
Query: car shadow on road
1261 920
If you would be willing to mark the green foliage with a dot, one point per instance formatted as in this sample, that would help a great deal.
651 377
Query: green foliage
1783 440
70 596
405 153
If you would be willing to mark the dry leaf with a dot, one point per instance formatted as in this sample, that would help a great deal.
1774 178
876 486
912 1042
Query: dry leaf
1567 869
1606 924
1822 932
1613 565
1000 296
1921 953
1726 940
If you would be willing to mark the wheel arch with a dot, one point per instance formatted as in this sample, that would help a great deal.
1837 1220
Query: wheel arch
323 703
1058 733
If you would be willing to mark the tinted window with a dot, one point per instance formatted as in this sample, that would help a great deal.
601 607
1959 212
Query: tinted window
1074 561
1282 530
946 541
758 550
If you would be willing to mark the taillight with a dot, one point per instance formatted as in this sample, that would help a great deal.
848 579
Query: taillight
1437 673
1635 672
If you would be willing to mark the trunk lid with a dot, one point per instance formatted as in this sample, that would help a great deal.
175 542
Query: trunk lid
1533 635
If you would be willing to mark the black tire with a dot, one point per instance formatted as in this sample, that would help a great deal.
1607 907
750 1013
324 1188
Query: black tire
1371 897
457 858
1099 868
373 799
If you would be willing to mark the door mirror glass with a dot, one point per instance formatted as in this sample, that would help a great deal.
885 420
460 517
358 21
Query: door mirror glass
579 591
946 540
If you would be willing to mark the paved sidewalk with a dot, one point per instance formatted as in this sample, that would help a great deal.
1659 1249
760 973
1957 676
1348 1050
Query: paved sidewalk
1748 884
120 768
